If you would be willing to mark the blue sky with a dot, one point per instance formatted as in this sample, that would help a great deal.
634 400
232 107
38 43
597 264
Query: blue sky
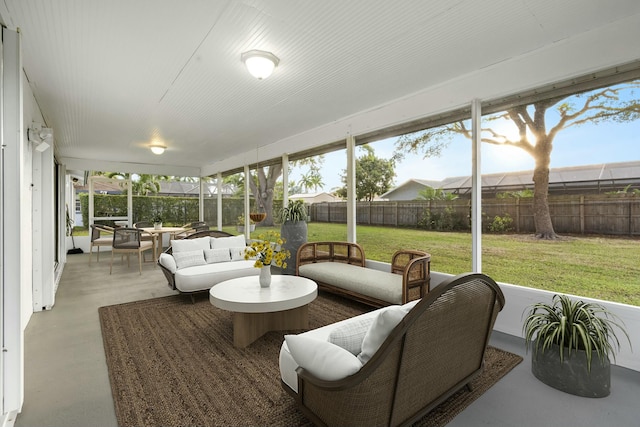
584 145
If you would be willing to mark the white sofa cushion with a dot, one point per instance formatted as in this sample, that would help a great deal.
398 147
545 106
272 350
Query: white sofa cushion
186 259
202 277
323 359
217 255
350 335
184 245
168 262
286 362
228 242
237 254
288 365
386 319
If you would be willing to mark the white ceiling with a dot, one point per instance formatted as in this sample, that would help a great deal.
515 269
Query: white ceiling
111 76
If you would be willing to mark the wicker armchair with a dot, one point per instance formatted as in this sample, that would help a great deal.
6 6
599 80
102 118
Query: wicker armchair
436 350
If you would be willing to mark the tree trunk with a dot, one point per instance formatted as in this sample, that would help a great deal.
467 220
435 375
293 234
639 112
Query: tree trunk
541 214
263 191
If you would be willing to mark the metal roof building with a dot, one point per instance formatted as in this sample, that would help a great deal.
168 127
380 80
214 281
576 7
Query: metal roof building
588 179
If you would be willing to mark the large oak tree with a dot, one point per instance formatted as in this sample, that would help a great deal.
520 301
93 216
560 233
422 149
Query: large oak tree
537 129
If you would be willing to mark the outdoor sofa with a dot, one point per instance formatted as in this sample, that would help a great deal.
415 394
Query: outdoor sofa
204 259
340 267
393 365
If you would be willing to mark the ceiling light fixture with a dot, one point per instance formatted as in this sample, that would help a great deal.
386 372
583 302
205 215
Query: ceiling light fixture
260 63
157 148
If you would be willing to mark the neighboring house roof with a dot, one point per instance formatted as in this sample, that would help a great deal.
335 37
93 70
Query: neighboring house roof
600 176
314 197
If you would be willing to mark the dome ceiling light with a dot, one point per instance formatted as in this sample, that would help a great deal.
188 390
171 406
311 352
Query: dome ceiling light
157 148
260 63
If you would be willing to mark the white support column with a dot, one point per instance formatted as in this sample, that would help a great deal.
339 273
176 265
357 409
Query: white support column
219 196
91 205
351 189
201 202
130 203
285 180
43 227
15 223
476 187
247 205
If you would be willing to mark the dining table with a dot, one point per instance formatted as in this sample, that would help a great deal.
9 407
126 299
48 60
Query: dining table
159 232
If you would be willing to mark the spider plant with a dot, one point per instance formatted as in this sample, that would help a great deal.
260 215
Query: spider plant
295 211
572 326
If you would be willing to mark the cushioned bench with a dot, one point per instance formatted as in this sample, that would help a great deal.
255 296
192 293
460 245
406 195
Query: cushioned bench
340 267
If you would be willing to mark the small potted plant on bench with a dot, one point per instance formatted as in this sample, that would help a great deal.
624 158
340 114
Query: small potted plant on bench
572 341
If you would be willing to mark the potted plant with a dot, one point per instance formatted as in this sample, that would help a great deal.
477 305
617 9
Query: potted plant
572 341
157 221
293 230
240 224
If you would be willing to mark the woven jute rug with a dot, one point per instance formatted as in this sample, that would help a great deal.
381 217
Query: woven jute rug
172 363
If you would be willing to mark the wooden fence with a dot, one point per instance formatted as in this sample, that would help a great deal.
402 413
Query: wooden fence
591 214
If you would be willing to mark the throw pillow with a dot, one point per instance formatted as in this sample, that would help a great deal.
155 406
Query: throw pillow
168 262
216 255
228 242
189 258
387 319
324 360
184 245
351 334
237 254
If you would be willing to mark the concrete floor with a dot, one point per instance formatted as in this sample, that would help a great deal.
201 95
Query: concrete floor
67 384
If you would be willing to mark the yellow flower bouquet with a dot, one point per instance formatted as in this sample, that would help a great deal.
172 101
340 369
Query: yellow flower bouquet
267 250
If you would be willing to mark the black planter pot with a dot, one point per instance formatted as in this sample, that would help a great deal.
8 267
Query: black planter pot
295 234
571 375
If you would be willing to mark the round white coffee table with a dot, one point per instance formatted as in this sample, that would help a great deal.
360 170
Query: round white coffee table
256 310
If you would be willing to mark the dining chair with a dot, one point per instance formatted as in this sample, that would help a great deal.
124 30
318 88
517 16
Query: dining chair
97 239
147 236
127 241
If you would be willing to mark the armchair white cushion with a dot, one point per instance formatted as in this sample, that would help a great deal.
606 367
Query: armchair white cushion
350 335
323 359
387 319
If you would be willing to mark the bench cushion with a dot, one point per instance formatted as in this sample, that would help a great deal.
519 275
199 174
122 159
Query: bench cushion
374 283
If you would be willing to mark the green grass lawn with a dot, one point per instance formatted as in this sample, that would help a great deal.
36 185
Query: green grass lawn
597 267
606 268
